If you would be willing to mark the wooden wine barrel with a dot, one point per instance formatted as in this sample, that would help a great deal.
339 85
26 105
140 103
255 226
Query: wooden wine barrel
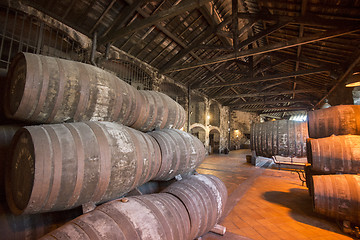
31 227
158 216
204 197
51 90
335 154
6 134
61 166
181 152
337 120
337 196
284 138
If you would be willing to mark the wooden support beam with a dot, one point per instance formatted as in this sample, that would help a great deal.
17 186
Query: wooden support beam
267 102
343 77
268 48
235 24
259 94
280 109
307 19
102 16
125 14
153 19
264 78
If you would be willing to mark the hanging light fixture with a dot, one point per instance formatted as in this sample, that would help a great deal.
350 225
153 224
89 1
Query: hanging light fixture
353 80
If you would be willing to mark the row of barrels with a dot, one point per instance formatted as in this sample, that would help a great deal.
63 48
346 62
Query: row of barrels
42 89
186 209
289 138
61 166
334 162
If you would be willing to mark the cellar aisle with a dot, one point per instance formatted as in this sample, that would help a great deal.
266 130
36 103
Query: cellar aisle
265 203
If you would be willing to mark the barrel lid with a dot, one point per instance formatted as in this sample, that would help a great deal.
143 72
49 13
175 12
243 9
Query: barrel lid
16 83
20 172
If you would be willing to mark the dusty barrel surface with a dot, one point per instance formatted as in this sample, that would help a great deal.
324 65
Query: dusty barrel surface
181 152
61 166
156 216
51 90
204 197
284 138
31 227
335 154
337 196
6 134
337 120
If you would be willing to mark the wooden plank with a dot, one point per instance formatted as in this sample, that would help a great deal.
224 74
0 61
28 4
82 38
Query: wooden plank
267 102
263 94
264 78
268 48
280 109
153 19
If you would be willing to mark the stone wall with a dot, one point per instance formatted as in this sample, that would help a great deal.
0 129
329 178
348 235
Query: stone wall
240 124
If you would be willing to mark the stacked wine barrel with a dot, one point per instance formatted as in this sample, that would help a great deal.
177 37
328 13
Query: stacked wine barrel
90 148
334 161
284 138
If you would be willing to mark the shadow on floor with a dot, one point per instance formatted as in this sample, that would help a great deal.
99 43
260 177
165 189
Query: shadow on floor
300 204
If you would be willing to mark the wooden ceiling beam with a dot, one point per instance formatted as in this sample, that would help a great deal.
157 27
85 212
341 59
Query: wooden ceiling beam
153 19
268 48
264 78
280 109
268 102
263 94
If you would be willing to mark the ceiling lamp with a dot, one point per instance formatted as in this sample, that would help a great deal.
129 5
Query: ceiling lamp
353 80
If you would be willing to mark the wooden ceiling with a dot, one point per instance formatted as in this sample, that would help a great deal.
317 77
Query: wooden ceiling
253 55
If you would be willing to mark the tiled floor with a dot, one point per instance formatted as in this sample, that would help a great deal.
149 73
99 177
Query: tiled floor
266 203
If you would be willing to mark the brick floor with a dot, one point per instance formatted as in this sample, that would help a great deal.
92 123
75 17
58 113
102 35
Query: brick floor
274 205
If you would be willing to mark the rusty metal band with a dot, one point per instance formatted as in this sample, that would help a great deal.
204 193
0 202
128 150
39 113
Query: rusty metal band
178 229
149 125
164 165
129 107
165 112
177 158
105 161
144 112
30 87
139 156
43 167
44 88
60 92
126 227
187 147
84 83
80 158
183 216
156 158
198 222
177 115
87 229
55 185
150 157
118 97
61 234
164 223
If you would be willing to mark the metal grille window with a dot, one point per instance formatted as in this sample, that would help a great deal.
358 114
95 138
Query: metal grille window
130 73
20 32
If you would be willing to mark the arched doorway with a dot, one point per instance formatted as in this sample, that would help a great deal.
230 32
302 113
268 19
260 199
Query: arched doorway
214 141
199 132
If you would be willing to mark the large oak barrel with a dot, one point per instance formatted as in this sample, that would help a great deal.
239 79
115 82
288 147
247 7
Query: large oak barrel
204 197
337 120
6 134
181 152
284 138
34 226
335 154
153 217
61 166
337 196
50 90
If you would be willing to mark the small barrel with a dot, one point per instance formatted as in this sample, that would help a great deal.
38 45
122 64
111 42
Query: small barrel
31 227
62 166
204 197
156 216
337 196
181 152
284 138
335 154
6 134
337 120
